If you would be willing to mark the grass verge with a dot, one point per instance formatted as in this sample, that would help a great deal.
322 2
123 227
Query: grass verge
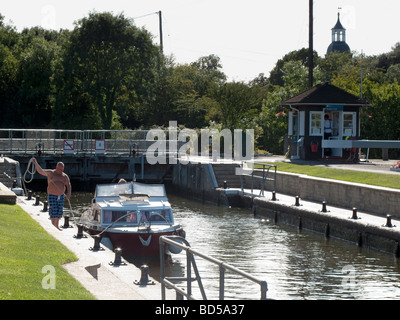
25 249
376 179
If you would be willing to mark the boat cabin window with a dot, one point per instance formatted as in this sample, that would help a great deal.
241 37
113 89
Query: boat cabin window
133 217
157 215
113 216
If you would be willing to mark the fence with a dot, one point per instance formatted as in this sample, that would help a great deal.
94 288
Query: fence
33 141
181 243
259 174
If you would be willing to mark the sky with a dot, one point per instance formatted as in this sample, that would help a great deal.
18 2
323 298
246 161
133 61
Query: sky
249 36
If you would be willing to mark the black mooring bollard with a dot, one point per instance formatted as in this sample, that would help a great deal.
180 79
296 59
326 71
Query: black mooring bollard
297 203
273 196
389 221
117 259
45 206
225 185
324 206
80 234
30 192
96 246
66 223
144 277
37 202
354 216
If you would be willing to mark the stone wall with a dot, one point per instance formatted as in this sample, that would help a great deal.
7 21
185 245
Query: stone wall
7 196
377 200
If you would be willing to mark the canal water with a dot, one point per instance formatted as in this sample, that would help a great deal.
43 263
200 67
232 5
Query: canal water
297 265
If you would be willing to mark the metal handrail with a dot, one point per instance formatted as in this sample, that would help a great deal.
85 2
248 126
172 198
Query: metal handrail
266 167
29 141
174 241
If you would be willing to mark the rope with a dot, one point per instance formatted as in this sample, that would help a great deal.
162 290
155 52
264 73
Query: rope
29 171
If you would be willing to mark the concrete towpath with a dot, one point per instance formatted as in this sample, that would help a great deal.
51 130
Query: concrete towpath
93 269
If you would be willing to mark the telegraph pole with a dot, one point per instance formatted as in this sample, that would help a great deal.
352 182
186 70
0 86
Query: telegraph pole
161 34
311 47
160 26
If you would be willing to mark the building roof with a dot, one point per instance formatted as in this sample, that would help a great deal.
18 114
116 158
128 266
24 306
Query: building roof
338 25
339 41
338 46
325 94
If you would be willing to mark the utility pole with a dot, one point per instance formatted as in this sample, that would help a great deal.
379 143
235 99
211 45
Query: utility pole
311 47
161 34
160 26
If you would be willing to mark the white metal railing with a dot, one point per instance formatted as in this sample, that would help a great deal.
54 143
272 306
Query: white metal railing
267 173
183 244
30 141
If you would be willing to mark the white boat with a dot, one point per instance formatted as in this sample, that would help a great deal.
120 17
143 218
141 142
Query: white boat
133 216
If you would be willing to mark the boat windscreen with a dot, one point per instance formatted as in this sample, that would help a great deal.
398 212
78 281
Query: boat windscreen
152 190
113 190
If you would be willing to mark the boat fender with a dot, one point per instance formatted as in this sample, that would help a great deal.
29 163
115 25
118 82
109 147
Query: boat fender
174 249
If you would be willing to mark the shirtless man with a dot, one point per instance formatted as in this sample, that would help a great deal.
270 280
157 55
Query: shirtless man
57 181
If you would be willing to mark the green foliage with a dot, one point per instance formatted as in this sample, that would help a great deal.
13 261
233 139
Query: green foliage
236 105
107 74
273 119
108 65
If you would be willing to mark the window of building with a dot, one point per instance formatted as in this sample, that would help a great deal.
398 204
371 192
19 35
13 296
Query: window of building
316 123
349 124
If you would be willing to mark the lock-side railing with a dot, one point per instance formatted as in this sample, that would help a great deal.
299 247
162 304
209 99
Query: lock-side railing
181 243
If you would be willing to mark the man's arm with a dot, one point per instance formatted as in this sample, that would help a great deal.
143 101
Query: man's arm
68 185
39 168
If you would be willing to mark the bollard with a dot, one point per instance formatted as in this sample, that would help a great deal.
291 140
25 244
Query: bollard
29 195
144 277
354 216
389 221
324 207
273 196
80 234
37 202
96 246
66 223
225 185
117 259
45 205
297 203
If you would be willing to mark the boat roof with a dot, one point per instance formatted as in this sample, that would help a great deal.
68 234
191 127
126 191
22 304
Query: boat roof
135 188
131 195
146 205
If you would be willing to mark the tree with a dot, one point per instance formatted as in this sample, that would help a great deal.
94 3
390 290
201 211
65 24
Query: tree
108 61
332 64
236 104
276 74
273 119
8 86
381 120
36 89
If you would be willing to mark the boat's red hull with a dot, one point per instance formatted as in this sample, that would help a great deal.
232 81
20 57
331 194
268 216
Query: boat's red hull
138 244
